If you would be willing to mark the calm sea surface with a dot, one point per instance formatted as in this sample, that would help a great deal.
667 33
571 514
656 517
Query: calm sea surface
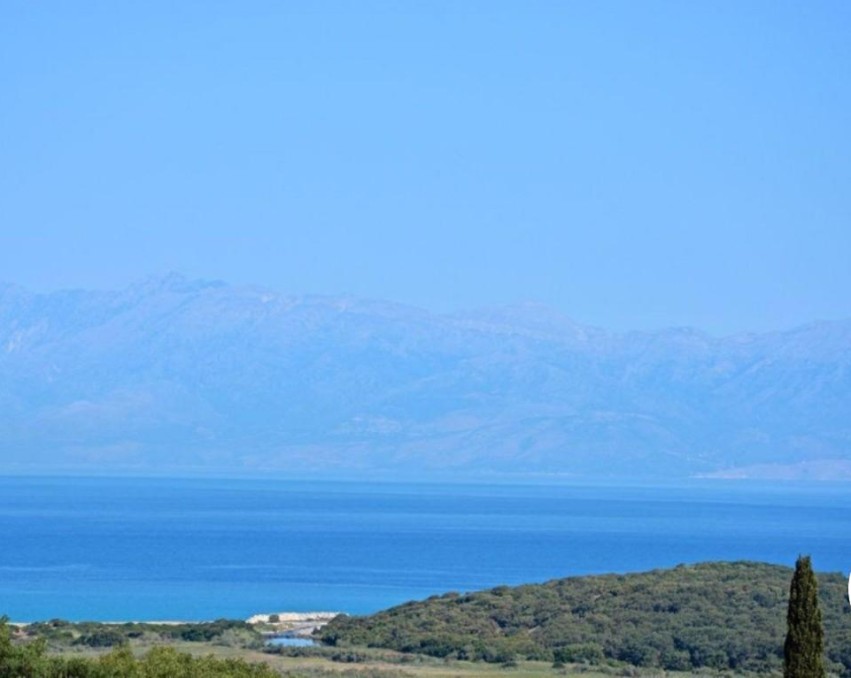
119 549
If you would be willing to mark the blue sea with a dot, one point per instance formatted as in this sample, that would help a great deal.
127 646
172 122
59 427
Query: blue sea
144 549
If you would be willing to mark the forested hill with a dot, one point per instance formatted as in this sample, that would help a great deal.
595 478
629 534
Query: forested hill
175 375
719 615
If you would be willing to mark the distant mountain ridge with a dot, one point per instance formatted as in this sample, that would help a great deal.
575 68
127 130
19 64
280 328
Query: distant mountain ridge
186 375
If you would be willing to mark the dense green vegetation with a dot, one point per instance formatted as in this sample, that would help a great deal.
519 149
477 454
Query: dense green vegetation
31 660
803 652
714 615
61 634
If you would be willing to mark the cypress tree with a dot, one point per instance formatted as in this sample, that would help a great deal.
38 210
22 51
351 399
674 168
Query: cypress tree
803 652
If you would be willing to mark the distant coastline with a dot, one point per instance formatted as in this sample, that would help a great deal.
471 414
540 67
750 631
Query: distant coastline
297 623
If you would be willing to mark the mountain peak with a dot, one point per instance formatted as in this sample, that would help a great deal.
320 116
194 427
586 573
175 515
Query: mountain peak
173 282
529 318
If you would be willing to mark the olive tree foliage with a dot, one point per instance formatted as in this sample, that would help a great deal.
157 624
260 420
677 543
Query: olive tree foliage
803 651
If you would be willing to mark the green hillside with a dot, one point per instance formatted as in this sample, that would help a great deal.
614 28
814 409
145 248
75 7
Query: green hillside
717 615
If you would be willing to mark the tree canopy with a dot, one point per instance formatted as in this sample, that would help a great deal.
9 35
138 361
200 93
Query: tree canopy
803 651
716 615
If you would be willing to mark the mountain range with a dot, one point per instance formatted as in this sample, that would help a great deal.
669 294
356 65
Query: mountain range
182 376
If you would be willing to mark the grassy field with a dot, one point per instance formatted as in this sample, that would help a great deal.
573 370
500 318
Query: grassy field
380 664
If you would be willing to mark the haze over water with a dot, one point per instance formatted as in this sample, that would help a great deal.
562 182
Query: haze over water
120 549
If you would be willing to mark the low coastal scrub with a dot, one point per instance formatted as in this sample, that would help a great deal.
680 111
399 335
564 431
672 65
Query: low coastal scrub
31 660
355 655
721 616
60 634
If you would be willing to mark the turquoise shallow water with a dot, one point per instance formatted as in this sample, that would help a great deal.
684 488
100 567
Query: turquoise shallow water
118 549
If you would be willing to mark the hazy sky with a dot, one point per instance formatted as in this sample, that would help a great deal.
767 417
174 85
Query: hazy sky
634 164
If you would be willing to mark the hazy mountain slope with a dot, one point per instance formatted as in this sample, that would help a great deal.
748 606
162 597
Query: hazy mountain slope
187 374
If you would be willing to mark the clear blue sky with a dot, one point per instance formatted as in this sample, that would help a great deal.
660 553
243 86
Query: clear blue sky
633 164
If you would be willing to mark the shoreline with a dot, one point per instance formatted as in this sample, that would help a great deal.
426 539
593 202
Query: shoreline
285 621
